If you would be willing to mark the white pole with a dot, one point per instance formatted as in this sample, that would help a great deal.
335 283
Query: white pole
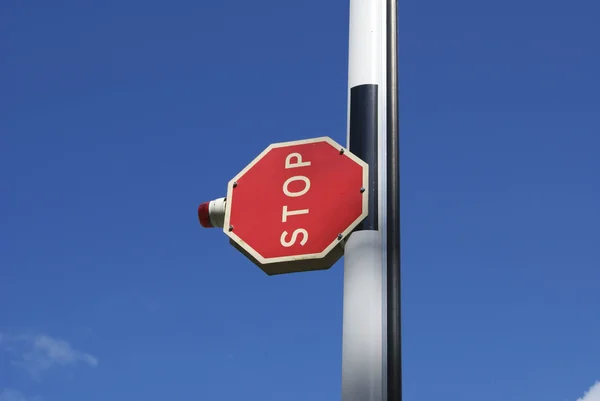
364 343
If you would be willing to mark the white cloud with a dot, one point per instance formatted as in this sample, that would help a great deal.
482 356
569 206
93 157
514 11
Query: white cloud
593 393
41 352
61 352
13 395
46 352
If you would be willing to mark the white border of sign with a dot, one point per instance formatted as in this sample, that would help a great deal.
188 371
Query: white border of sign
335 241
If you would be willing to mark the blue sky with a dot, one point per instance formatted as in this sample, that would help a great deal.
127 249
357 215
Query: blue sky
118 117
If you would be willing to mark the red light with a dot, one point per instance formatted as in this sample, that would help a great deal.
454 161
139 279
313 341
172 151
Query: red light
203 215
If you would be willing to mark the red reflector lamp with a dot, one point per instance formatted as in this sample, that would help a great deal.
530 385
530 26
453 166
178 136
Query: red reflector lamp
204 216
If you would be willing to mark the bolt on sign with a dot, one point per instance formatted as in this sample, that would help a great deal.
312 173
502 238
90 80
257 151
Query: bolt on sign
291 208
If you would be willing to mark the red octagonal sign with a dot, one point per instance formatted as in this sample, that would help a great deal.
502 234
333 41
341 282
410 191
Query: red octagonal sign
290 209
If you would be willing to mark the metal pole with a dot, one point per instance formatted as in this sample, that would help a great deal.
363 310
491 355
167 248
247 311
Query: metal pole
364 339
371 358
393 277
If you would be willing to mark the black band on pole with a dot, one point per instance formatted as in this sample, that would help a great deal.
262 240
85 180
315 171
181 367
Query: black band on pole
394 338
363 143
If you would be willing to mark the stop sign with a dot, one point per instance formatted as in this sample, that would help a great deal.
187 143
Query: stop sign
290 209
